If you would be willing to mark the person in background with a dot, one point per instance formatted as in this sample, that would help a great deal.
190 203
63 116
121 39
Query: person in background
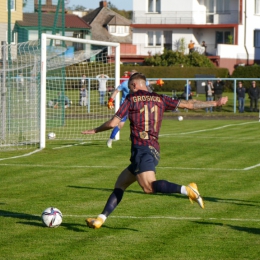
83 91
209 90
145 111
205 47
241 94
254 94
83 96
191 46
102 79
83 81
218 91
126 76
187 91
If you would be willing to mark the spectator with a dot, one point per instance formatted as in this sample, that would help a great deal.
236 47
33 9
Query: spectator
82 85
205 47
102 79
241 94
187 91
218 91
83 81
209 90
83 97
191 46
253 94
126 76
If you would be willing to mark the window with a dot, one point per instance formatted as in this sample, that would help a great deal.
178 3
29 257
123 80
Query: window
223 37
119 29
257 6
154 38
154 6
257 38
112 29
12 5
217 6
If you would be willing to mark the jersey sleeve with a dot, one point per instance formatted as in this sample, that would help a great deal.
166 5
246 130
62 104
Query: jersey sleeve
170 104
123 109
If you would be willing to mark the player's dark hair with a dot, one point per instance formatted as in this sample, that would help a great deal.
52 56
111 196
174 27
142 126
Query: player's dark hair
137 75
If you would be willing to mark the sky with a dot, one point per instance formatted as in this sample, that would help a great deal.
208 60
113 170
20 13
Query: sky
93 4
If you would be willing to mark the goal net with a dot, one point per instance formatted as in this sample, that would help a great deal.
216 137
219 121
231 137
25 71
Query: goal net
60 85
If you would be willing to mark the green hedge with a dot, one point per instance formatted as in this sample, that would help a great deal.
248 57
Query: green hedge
174 72
247 72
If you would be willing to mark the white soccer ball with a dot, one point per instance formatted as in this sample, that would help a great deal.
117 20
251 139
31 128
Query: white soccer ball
51 135
51 217
180 118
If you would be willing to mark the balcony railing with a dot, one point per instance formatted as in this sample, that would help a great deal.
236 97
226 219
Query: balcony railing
192 17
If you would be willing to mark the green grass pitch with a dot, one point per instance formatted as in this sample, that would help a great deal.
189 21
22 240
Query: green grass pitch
221 156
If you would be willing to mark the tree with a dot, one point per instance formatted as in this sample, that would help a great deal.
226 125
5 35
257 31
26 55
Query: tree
78 8
111 6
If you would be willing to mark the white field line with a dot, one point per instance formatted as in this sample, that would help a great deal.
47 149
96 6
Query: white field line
112 167
20 156
71 145
212 129
147 217
252 167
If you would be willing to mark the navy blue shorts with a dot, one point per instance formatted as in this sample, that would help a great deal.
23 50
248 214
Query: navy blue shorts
143 158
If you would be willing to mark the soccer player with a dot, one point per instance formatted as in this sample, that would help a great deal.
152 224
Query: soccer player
123 87
145 111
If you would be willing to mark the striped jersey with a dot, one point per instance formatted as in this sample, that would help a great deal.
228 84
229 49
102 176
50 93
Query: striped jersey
145 112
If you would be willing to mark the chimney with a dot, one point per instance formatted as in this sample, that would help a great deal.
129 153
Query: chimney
102 4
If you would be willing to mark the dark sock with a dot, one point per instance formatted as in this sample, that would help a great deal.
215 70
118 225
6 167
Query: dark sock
163 186
113 200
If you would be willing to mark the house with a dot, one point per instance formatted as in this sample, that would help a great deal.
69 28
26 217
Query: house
27 29
110 26
230 28
16 13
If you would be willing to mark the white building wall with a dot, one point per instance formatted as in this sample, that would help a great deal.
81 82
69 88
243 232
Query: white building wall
194 11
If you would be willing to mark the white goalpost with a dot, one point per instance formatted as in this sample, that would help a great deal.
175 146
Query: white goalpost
42 90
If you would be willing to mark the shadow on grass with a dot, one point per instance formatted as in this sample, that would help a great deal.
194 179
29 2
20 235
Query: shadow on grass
232 201
36 221
179 196
250 230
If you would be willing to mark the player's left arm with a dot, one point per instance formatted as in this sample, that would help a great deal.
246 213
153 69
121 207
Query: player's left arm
197 104
104 127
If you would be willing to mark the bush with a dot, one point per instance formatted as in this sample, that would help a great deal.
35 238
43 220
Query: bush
176 58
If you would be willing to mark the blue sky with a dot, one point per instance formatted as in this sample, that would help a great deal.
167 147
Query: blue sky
93 4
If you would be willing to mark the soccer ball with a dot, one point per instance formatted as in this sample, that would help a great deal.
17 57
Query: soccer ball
51 135
51 217
180 118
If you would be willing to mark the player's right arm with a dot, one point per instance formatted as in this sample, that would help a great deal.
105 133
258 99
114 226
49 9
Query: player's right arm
110 124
